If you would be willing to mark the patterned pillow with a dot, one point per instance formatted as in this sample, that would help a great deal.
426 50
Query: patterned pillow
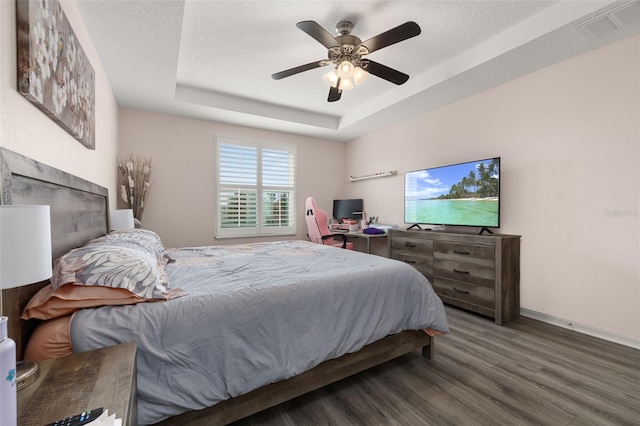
115 266
137 238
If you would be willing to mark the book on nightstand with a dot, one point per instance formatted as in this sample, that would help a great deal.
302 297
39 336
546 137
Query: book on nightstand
106 420
97 417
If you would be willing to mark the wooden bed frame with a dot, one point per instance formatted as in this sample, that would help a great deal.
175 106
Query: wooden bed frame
79 213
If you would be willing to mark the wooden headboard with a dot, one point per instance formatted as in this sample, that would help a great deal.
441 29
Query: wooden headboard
79 213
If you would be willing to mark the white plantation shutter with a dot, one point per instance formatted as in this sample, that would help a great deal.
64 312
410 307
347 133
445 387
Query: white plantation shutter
278 177
255 188
237 187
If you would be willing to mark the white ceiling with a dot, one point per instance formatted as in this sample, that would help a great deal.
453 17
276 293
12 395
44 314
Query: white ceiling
213 60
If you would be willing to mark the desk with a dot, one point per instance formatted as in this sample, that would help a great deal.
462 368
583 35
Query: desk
359 235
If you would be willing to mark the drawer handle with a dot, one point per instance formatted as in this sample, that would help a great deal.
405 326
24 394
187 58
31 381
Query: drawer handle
409 261
410 245
461 291
461 252
460 272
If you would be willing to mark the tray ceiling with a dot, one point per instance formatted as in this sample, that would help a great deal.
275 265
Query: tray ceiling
213 60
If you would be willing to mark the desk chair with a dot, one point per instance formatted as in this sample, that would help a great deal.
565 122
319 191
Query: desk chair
318 230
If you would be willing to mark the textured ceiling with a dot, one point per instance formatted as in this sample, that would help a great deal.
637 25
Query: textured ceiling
213 60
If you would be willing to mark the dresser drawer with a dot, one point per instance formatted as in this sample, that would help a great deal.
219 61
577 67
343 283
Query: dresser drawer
464 252
417 246
464 292
471 263
415 252
473 273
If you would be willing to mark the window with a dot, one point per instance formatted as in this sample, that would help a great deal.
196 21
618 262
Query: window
255 188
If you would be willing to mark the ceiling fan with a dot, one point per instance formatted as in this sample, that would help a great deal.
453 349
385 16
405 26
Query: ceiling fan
347 53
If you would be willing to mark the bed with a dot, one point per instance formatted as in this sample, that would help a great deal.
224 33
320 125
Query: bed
289 316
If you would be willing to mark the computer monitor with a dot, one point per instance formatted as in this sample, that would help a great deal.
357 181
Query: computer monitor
346 209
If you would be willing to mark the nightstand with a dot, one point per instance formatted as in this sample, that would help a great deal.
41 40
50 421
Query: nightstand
72 384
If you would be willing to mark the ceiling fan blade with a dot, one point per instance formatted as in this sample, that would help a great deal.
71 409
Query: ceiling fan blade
386 73
299 69
320 34
394 35
334 94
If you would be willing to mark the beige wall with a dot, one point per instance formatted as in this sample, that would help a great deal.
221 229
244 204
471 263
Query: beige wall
181 203
28 131
569 138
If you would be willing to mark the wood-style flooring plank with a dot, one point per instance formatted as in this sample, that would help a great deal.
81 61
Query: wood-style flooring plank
523 373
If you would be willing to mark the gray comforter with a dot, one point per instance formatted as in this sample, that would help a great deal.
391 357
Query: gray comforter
256 314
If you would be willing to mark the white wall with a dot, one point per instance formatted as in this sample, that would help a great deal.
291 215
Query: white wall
181 203
569 138
27 130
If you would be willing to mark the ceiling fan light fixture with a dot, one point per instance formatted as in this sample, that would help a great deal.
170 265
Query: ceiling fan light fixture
359 76
346 84
331 78
345 70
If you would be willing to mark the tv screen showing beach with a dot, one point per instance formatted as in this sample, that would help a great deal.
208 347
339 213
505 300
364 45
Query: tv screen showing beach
466 194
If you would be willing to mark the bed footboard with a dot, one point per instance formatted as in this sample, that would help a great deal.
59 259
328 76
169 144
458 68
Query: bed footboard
326 373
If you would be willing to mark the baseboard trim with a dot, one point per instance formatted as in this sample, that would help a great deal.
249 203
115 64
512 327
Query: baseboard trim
580 328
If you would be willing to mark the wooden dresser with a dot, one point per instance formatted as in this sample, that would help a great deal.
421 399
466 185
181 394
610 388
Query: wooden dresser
75 383
480 273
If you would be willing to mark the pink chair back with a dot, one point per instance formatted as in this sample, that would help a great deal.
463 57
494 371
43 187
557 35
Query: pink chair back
316 221
317 225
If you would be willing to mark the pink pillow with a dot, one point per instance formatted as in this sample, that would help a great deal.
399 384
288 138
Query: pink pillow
51 339
47 303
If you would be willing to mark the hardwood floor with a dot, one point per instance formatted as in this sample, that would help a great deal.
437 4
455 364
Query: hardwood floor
523 373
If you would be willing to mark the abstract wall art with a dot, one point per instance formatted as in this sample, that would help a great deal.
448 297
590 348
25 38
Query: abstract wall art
53 70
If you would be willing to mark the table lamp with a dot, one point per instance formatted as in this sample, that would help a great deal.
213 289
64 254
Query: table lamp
25 258
121 219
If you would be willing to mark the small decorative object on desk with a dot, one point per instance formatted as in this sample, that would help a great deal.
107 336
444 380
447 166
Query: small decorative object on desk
135 183
374 231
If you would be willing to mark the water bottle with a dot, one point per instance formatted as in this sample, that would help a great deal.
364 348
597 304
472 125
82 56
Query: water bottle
8 386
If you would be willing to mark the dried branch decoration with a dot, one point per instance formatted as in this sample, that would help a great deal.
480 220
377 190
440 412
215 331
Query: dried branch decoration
135 183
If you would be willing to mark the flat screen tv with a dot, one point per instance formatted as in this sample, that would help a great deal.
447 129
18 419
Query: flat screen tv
464 194
347 209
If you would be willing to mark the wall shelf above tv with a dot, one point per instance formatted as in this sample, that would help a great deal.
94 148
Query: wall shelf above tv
373 175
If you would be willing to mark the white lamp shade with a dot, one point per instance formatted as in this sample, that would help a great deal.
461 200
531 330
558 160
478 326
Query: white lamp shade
121 219
25 245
